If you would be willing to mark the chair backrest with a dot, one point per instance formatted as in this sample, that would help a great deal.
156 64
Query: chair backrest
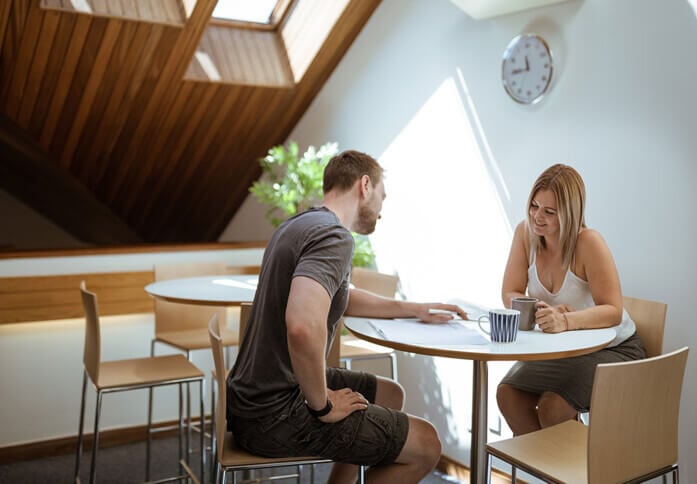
650 320
220 373
245 313
373 281
177 317
91 356
633 426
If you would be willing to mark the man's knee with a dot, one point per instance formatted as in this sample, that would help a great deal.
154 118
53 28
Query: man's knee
389 394
429 445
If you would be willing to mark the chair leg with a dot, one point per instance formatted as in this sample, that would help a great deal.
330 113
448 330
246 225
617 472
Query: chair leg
80 430
188 416
488 468
149 436
95 438
202 433
361 474
181 423
214 449
148 441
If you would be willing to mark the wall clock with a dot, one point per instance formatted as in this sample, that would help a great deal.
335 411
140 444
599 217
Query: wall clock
526 68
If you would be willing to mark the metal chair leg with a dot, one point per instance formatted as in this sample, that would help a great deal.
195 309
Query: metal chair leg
148 442
361 474
202 433
488 468
149 436
95 438
80 430
181 423
188 416
214 443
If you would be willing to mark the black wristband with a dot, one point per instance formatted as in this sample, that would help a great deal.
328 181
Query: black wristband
319 413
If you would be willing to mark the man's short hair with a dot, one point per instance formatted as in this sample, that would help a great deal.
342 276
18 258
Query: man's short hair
344 169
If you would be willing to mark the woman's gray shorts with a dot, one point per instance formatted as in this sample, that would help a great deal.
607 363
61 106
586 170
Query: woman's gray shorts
571 378
374 436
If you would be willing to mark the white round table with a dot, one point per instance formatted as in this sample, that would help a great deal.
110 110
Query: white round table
206 290
529 345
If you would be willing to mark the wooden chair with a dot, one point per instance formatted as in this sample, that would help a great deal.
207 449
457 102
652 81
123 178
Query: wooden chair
124 375
229 457
354 349
650 320
632 435
183 326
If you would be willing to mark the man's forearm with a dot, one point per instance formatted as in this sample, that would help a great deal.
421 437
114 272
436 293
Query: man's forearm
309 364
367 304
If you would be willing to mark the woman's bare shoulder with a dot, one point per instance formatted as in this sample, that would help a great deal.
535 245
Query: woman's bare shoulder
591 246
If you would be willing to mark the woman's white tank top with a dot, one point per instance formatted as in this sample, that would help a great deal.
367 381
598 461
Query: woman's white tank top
576 293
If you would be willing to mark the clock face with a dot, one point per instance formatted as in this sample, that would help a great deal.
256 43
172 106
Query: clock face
526 69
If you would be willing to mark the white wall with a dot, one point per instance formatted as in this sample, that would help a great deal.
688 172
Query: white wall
621 111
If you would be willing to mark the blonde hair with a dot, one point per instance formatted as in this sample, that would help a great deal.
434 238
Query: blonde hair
570 195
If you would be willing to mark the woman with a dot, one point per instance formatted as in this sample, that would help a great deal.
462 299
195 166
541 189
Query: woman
570 269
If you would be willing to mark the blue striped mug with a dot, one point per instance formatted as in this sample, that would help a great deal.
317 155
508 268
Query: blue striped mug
503 324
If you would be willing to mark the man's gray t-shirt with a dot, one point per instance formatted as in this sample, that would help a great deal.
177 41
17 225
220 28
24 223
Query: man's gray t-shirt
313 244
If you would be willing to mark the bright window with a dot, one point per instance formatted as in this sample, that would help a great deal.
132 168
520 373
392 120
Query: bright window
257 11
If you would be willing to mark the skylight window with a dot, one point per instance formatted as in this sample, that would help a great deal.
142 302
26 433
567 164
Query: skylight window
256 11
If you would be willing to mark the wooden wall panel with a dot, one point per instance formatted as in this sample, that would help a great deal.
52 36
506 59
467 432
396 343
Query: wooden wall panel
25 56
92 84
58 297
56 59
45 298
5 8
65 79
49 27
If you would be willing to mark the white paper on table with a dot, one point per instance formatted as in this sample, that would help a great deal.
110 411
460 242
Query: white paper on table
415 332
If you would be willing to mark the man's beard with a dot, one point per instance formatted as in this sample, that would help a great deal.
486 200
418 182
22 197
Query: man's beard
367 219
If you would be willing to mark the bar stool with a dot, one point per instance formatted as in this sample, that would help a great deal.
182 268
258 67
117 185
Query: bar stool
131 374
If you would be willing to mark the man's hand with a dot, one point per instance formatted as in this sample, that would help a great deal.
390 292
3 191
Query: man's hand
439 313
344 403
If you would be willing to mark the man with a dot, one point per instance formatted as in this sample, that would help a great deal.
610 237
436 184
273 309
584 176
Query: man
283 401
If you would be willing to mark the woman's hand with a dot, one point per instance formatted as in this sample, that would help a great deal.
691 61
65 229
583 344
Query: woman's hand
551 319
344 403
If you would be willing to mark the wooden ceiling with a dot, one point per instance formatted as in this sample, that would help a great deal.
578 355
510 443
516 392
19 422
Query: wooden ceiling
135 111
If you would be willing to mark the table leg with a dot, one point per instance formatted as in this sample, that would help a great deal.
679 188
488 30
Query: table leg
479 422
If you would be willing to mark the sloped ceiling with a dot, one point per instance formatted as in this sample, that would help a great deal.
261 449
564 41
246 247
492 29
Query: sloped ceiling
108 101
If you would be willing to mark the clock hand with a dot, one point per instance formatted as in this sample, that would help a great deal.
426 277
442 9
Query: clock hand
527 65
517 71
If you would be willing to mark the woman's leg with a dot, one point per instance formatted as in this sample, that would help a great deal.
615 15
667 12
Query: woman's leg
519 408
553 409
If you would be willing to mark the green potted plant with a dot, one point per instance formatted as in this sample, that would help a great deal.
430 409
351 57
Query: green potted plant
292 183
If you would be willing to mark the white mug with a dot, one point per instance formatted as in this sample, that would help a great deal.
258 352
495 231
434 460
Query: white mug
503 324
